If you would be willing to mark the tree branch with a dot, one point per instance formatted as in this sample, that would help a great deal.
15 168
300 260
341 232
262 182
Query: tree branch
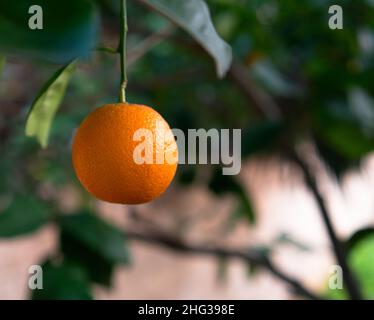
266 105
340 253
247 255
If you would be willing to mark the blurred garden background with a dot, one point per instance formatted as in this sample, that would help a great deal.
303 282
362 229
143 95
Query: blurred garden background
302 95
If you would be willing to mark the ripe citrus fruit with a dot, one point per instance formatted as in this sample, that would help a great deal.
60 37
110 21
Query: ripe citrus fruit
110 149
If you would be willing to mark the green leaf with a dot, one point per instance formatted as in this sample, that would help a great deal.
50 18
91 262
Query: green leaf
194 17
98 269
23 216
97 234
93 243
69 30
350 141
358 236
338 163
63 281
360 252
361 258
45 106
340 137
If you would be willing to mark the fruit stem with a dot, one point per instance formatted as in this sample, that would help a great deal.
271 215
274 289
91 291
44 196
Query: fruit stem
122 50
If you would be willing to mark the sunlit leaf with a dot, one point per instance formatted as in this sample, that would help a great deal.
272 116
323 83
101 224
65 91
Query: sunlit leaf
359 236
46 104
360 249
194 17
361 258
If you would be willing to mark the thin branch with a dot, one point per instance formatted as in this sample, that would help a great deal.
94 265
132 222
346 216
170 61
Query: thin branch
340 253
247 255
122 50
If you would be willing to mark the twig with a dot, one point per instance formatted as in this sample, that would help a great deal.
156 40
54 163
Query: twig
340 253
247 255
122 51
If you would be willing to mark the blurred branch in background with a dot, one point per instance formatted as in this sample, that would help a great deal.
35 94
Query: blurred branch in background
148 43
340 253
247 255
266 104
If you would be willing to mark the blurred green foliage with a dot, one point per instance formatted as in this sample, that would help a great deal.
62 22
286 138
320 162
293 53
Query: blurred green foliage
69 30
361 258
14 220
65 281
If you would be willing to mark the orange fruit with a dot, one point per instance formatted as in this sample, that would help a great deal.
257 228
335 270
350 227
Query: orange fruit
125 153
